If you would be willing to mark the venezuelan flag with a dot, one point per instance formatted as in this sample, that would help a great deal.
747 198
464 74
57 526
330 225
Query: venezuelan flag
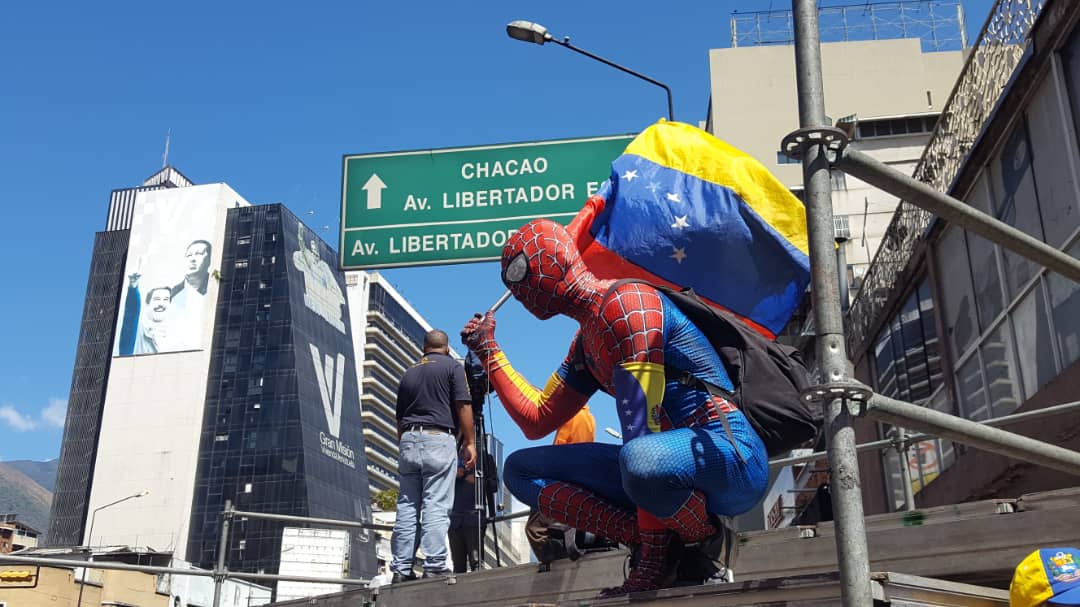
684 209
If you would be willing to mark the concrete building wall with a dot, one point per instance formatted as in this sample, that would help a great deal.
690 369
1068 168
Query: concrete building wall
754 105
60 587
754 102
151 423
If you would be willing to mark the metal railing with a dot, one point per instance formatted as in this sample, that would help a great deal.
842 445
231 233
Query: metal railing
938 24
990 64
901 442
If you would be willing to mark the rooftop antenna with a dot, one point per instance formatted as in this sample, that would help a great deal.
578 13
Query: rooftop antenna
165 156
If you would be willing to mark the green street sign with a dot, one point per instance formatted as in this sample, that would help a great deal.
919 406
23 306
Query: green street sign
459 205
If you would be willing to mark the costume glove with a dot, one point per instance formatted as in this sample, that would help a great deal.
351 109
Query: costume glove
479 335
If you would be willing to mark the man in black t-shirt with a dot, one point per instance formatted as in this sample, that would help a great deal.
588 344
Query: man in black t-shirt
434 414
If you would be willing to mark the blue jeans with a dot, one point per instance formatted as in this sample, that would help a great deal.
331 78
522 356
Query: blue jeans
426 469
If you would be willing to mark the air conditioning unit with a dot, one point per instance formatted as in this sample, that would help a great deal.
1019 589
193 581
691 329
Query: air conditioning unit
841 227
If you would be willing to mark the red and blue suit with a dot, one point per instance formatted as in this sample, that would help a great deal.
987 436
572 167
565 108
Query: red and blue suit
686 454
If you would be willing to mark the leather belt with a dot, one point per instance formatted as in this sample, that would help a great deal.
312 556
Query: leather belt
425 427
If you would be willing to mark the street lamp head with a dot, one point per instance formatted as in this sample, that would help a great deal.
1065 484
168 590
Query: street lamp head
527 31
145 492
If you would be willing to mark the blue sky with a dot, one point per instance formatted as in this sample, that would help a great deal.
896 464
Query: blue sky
267 97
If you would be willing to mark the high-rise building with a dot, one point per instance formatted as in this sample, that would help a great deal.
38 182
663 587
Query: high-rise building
214 364
281 429
389 334
887 71
93 358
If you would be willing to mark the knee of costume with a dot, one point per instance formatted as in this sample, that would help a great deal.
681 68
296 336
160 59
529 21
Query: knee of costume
657 474
520 478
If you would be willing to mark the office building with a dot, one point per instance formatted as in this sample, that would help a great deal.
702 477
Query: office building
884 85
281 430
389 334
213 366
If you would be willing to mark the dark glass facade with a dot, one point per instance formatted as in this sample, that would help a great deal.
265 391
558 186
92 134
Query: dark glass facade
282 430
87 398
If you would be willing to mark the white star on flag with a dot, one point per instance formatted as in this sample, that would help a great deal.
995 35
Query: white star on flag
679 255
680 222
673 197
653 186
628 412
629 427
630 175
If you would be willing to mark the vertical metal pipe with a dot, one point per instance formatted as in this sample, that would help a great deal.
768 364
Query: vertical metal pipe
841 273
852 554
223 547
903 448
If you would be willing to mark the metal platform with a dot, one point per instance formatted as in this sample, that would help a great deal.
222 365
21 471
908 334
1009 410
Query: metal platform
977 543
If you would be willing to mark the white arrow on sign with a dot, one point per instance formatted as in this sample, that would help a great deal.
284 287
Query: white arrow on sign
374 188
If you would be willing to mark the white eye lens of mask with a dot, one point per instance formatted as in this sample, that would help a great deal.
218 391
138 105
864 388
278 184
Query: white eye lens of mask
517 268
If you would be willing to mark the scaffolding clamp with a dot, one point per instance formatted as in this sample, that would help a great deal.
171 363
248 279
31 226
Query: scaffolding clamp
830 139
846 390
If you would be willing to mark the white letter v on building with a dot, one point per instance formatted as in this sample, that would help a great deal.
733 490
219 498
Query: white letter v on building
331 384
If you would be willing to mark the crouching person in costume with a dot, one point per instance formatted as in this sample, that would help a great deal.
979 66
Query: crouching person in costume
686 455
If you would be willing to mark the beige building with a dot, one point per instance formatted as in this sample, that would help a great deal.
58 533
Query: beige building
15 535
886 93
31 586
34 586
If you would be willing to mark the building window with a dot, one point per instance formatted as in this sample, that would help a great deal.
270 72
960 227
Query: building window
782 158
958 305
243 240
907 366
891 127
241 263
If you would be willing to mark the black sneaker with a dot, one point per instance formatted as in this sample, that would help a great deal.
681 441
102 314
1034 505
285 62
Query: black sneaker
447 574
399 578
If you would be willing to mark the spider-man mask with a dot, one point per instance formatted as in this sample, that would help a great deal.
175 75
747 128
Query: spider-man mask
541 267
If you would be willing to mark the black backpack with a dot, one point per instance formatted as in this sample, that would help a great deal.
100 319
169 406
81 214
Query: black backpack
768 376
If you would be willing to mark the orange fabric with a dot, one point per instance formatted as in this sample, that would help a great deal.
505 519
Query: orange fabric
580 429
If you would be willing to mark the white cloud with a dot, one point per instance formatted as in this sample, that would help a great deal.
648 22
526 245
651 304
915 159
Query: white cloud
55 412
16 420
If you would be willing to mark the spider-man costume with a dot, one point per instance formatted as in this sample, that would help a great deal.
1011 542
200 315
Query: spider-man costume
685 453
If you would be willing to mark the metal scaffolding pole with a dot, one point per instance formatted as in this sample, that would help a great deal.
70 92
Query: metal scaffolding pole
972 433
902 447
1015 418
886 178
308 520
220 571
852 555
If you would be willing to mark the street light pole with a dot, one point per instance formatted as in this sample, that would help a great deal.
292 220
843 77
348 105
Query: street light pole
90 537
527 31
